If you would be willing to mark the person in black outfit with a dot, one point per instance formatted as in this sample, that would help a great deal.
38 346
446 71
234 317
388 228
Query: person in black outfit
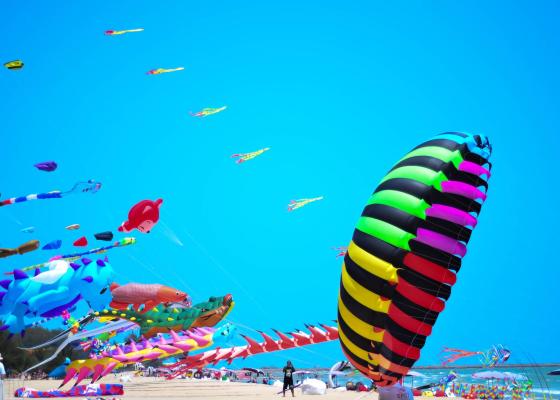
288 378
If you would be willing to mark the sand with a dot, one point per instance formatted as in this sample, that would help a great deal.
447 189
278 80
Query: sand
160 389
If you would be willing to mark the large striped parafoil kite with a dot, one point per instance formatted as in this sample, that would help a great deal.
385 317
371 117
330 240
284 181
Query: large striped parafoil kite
406 250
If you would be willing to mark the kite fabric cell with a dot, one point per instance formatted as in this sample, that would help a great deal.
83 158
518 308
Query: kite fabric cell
406 250
242 157
73 227
208 111
26 247
29 229
160 71
14 65
143 216
47 166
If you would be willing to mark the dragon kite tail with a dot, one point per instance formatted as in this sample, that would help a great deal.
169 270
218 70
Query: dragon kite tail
155 348
298 339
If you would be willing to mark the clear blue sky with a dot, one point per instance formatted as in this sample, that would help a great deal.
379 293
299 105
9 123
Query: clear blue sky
339 91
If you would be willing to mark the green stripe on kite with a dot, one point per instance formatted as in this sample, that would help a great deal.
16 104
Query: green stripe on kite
402 201
424 175
441 153
385 231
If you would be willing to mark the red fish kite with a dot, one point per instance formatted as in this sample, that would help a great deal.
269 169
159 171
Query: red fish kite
149 295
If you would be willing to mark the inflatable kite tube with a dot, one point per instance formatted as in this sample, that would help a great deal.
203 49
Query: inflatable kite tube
406 251
77 391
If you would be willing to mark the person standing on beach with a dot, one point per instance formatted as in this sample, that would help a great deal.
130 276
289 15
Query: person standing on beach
2 369
288 378
2 376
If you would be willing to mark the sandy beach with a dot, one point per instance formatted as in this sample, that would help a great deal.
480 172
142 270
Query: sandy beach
160 389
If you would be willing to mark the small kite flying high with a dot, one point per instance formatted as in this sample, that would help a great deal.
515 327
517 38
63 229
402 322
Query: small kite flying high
208 111
16 64
295 204
160 71
47 166
114 33
127 241
81 187
22 249
242 157
341 251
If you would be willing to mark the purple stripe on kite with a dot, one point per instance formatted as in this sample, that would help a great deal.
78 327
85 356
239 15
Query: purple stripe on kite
58 310
462 189
441 242
451 214
473 168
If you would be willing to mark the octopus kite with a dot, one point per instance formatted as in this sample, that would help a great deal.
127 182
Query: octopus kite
160 71
242 157
114 33
406 250
208 111
295 204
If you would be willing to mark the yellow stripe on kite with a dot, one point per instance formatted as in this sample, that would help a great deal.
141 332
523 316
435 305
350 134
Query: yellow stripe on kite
372 264
355 350
362 295
357 325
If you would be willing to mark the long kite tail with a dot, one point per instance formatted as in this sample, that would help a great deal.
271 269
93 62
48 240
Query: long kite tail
81 335
298 339
457 354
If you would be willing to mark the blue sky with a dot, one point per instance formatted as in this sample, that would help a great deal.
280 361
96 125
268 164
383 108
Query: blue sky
339 93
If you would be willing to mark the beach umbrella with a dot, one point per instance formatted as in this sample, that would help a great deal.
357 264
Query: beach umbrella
511 376
415 374
303 372
488 375
508 376
555 372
